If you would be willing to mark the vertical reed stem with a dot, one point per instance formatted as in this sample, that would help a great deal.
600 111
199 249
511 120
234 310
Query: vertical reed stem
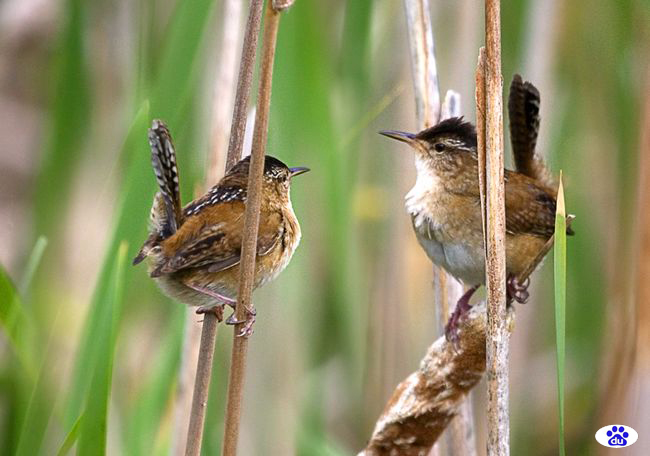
251 225
209 330
428 113
497 334
224 93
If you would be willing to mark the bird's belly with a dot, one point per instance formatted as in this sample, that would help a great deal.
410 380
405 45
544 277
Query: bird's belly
279 258
463 261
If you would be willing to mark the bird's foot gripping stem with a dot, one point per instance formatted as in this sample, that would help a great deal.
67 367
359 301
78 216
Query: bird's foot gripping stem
516 290
215 309
462 307
248 322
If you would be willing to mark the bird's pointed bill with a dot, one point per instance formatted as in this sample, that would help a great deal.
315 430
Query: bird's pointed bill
298 170
399 135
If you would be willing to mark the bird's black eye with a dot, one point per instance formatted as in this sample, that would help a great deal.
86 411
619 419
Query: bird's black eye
439 147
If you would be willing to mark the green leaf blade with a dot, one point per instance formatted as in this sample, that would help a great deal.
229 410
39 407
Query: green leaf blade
559 267
92 436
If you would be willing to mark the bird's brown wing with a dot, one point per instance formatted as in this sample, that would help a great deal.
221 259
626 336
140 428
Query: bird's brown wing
216 246
530 208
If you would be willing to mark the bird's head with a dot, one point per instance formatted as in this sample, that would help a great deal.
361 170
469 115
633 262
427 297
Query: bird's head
440 147
277 175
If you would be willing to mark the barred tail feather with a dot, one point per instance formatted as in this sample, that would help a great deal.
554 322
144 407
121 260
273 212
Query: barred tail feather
163 160
523 110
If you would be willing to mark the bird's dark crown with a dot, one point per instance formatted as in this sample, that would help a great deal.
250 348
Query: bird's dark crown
273 168
454 127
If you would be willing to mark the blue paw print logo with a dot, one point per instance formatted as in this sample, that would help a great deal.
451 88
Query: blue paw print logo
616 436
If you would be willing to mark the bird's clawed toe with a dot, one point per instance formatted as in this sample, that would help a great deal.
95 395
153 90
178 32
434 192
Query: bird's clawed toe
247 329
516 290
216 310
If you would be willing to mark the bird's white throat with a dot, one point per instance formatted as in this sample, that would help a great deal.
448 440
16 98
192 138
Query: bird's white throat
427 183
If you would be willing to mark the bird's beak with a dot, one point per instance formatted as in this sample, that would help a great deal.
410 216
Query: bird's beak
399 135
297 171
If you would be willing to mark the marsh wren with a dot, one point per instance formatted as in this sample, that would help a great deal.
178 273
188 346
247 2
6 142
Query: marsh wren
194 251
445 203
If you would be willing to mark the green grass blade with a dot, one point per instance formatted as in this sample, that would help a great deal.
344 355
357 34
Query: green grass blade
92 435
40 405
69 117
134 193
17 326
173 83
32 265
71 438
154 396
560 303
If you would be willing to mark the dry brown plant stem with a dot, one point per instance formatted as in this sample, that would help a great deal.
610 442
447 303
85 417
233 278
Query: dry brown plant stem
209 330
497 339
424 404
429 112
224 93
224 90
251 225
423 63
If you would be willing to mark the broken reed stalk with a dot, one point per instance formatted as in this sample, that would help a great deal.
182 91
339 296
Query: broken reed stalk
209 329
251 225
498 442
428 113
424 404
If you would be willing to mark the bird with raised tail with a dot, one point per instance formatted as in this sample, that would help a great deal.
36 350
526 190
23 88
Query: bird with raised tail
445 207
194 251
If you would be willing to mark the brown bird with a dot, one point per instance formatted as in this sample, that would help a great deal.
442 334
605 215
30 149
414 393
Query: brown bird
194 251
445 204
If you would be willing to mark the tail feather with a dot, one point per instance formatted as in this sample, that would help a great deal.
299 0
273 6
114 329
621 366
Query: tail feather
163 160
523 109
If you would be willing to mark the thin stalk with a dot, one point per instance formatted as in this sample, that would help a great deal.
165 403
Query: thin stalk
209 330
224 94
497 334
429 112
244 82
186 375
201 386
224 89
423 62
559 261
251 225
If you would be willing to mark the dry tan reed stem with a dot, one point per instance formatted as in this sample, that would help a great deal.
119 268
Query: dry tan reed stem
224 90
251 225
209 330
423 63
429 112
498 442
224 93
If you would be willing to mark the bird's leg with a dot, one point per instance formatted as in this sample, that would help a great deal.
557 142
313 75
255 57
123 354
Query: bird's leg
247 329
517 291
462 307
216 309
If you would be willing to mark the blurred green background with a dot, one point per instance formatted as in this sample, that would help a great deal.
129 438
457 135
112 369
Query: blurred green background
85 333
